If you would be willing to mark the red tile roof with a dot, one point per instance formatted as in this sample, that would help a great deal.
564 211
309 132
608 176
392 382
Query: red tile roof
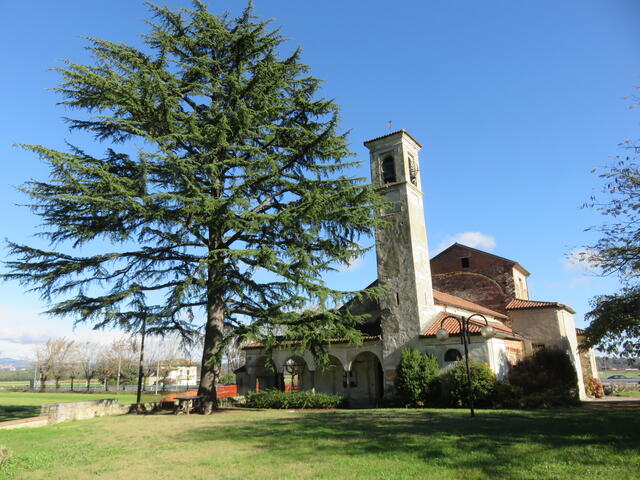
453 327
394 133
442 298
519 304
368 338
579 331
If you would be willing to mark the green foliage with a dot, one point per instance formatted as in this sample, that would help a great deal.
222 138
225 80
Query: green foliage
451 388
413 376
240 167
615 319
593 387
548 377
228 378
506 395
278 399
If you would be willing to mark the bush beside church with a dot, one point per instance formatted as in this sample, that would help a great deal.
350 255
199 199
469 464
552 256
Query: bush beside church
546 379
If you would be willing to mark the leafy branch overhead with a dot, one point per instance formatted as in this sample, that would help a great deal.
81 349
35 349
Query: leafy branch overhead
615 318
234 202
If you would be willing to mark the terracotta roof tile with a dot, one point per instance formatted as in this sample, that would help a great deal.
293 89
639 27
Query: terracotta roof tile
519 304
579 331
453 327
442 298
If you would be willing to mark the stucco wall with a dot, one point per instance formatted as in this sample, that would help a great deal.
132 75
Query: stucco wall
588 361
491 352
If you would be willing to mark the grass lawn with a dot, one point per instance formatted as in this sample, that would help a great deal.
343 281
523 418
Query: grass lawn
15 405
366 444
629 393
626 373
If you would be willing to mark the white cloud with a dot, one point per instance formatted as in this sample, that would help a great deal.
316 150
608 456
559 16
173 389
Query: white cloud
477 240
353 265
579 260
22 329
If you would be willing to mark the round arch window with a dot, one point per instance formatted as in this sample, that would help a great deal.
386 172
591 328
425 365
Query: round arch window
388 170
452 355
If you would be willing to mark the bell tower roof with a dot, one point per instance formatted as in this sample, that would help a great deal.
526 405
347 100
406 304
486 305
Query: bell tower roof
399 132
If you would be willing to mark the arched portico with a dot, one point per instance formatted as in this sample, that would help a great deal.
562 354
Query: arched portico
261 375
296 374
364 387
332 378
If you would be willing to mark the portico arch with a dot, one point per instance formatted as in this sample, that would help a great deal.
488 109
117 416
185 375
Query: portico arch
262 374
296 374
365 387
332 378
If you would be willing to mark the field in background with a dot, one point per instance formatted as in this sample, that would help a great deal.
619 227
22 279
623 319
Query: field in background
359 444
626 373
14 405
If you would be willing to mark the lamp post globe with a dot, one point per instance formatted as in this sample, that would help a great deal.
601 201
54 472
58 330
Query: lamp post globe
487 331
442 334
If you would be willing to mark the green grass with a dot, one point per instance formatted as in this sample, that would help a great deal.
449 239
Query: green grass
626 373
366 444
630 393
14 405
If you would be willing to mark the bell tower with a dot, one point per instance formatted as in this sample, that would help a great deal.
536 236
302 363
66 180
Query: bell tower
401 246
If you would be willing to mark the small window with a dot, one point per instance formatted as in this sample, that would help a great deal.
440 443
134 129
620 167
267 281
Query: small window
452 355
464 261
388 170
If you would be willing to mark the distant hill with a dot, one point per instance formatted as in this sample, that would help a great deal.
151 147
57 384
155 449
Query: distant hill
16 363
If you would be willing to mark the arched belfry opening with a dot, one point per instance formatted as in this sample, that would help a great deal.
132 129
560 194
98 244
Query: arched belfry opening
388 170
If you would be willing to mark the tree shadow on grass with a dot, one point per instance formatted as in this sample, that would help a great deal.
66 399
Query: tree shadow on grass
15 412
495 443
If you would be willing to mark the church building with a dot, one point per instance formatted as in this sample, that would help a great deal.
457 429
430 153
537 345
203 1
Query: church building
421 297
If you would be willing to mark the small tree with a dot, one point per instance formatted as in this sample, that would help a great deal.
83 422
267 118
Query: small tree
51 358
413 376
451 389
88 361
74 367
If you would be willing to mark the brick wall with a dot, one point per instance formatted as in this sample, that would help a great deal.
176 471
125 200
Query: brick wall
487 280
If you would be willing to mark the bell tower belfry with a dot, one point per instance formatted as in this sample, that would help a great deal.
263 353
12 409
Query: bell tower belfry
401 246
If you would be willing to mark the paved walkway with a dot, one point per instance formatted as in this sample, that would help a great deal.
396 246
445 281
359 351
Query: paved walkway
612 402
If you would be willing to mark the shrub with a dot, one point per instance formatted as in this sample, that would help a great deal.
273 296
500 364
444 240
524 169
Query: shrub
548 377
550 398
593 387
284 400
506 395
451 389
413 375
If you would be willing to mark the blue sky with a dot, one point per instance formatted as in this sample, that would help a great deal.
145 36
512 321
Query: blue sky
514 102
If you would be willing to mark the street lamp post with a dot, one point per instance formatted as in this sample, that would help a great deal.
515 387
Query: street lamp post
486 331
